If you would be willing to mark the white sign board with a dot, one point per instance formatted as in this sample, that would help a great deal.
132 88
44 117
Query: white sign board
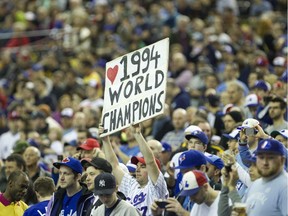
135 87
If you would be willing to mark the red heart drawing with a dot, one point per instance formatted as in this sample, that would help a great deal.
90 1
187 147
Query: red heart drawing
112 73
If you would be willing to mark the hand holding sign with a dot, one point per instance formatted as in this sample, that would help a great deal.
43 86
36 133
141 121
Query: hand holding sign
135 128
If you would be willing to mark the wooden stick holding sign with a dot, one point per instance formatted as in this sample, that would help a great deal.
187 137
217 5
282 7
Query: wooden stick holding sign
135 87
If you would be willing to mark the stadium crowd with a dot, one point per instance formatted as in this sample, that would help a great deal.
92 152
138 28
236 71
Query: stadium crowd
219 147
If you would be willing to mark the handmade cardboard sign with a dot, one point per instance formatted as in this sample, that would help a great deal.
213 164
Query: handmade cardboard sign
135 87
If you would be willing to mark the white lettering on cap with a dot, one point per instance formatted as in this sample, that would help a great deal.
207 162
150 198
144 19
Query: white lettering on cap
102 183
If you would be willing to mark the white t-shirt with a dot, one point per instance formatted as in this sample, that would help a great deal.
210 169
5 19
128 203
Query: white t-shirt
203 209
7 142
142 198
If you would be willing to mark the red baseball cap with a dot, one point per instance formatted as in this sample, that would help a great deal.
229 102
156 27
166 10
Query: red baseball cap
89 144
13 115
135 160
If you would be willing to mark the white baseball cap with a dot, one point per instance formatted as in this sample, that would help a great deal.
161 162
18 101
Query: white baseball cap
249 123
279 61
251 100
283 133
67 112
192 128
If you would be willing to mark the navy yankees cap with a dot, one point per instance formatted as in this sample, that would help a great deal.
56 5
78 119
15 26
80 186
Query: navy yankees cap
105 184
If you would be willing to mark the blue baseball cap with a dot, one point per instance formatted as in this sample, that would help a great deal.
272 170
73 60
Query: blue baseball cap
233 135
131 167
166 147
214 160
261 84
199 135
70 162
270 146
191 158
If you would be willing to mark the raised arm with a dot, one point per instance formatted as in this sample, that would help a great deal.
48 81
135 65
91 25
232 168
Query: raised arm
151 165
111 157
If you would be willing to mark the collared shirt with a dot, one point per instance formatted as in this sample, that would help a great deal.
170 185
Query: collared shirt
11 208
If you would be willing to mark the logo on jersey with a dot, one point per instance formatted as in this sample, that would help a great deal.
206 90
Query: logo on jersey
102 183
139 199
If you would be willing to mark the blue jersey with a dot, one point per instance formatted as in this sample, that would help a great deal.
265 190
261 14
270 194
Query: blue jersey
69 204
38 209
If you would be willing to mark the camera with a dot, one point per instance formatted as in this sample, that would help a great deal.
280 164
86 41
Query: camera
161 203
250 131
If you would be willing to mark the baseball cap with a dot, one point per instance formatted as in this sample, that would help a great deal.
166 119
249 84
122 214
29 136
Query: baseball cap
261 84
192 181
67 112
279 61
283 133
199 135
29 85
270 146
131 167
249 123
214 160
166 147
227 108
89 144
98 163
71 143
13 115
92 83
105 184
135 160
233 135
70 162
20 147
262 61
191 128
191 158
251 100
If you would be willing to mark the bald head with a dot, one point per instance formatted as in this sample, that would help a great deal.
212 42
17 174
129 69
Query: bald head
179 118
31 156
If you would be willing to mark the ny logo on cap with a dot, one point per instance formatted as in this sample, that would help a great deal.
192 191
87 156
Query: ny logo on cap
102 183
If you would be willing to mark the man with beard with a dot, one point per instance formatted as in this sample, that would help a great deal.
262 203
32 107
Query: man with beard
277 109
268 195
10 200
